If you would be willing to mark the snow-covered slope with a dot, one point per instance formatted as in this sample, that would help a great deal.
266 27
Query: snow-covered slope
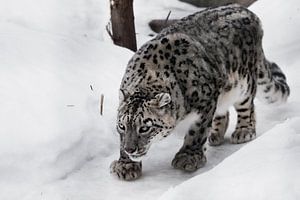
50 88
268 168
55 62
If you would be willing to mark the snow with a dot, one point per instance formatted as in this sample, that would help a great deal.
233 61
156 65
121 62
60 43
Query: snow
56 60
270 169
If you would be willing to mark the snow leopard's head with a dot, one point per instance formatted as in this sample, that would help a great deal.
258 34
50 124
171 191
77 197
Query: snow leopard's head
142 120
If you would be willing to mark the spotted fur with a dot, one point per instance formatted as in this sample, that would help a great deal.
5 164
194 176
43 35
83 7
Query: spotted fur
203 64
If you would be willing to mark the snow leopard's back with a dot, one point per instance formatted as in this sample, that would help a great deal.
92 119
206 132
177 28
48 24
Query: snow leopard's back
232 37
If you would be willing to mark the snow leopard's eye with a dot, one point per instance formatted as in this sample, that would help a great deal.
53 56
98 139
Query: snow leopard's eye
144 129
121 127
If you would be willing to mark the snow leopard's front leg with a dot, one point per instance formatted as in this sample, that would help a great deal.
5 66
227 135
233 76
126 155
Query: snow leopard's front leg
191 155
125 168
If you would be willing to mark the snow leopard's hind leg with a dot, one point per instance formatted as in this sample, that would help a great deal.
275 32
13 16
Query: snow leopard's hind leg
245 128
219 127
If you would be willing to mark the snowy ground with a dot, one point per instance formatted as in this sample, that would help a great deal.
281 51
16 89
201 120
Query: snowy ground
55 62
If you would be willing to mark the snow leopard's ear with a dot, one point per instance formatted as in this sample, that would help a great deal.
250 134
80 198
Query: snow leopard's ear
123 95
161 100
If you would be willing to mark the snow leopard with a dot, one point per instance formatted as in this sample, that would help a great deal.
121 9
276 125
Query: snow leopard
203 64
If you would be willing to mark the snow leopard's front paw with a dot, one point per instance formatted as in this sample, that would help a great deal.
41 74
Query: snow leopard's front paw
126 170
242 135
189 162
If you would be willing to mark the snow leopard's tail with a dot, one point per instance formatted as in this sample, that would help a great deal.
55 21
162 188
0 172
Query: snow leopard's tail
271 83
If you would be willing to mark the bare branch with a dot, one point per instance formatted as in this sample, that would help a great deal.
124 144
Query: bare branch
213 3
157 25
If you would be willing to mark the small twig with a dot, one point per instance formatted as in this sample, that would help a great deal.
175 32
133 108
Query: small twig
101 104
108 30
167 19
91 87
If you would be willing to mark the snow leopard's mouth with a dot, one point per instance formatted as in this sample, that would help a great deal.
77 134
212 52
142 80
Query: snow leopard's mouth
137 157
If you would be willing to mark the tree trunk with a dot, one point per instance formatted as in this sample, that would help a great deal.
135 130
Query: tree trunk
122 20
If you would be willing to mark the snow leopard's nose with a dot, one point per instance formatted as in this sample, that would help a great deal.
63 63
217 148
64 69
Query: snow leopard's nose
130 150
